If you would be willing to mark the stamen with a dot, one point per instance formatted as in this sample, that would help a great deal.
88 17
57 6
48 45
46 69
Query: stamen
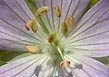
32 24
42 10
64 63
64 29
70 22
34 28
53 39
33 49
58 11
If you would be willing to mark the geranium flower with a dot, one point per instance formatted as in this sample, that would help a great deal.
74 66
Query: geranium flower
58 41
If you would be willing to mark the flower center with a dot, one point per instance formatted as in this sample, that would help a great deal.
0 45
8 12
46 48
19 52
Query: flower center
53 45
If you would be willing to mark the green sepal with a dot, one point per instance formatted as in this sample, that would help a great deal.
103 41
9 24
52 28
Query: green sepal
6 56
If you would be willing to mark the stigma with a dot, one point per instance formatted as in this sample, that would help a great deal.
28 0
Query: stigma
64 63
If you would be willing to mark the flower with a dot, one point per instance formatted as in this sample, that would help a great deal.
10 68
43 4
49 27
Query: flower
61 41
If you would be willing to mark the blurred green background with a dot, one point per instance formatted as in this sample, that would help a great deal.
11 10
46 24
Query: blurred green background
6 56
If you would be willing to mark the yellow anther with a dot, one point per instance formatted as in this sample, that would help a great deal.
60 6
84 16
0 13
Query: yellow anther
42 10
32 24
64 63
64 28
34 28
70 22
33 49
52 37
58 11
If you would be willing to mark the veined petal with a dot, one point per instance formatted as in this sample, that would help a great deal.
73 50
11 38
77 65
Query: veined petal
93 17
91 67
92 33
12 12
73 8
50 62
21 8
94 68
92 53
24 67
13 36
7 44
33 65
14 31
25 8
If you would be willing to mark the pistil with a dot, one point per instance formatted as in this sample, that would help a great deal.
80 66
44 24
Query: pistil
64 63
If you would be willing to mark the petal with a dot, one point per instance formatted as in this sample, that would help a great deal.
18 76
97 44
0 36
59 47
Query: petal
21 8
6 44
24 67
91 67
11 35
77 8
80 73
73 8
91 34
13 12
24 8
11 16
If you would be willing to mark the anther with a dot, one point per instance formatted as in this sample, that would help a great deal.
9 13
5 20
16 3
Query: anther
58 11
33 49
64 63
53 39
42 10
64 29
32 24
34 28
70 22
